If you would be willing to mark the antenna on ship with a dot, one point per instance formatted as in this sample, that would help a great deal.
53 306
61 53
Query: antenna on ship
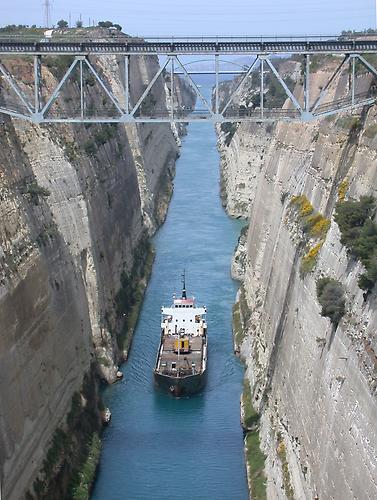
184 295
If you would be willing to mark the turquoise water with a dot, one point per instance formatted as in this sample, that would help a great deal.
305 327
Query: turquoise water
158 447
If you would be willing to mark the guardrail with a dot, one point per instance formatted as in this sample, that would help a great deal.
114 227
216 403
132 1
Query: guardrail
176 46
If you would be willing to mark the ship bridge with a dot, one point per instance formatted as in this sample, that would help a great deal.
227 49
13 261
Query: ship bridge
253 62
183 318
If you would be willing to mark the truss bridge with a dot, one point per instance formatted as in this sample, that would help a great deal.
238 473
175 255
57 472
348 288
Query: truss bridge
285 78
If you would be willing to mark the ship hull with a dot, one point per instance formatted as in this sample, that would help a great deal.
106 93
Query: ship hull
180 386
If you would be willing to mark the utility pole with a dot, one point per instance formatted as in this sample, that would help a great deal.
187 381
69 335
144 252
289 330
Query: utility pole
47 12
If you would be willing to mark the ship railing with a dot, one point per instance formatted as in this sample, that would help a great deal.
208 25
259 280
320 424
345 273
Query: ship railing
180 372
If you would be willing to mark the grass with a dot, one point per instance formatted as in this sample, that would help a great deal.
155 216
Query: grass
229 130
82 490
282 454
348 122
255 459
130 296
370 131
244 306
250 417
34 192
103 361
47 234
74 449
238 330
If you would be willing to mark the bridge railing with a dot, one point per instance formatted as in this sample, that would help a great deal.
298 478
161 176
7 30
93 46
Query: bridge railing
42 104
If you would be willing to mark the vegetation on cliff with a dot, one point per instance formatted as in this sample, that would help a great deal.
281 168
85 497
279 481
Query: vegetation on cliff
255 463
241 316
71 460
130 295
330 295
359 234
255 458
249 416
238 330
314 226
229 130
282 454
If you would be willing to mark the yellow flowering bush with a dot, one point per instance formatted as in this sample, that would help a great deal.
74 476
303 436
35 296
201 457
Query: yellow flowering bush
343 188
309 260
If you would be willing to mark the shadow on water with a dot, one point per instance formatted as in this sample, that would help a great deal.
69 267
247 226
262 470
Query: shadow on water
158 447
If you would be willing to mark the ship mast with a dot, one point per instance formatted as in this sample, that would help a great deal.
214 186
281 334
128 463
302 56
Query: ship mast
184 294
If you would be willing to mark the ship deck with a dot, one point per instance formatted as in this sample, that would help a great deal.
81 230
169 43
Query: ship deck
184 361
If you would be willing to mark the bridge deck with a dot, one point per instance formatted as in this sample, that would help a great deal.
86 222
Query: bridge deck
178 47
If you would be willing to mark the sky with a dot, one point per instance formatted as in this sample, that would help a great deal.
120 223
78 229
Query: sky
204 17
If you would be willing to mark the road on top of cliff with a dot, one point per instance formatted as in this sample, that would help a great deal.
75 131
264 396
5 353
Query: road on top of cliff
158 447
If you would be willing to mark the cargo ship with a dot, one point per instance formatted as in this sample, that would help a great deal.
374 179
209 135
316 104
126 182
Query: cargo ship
182 356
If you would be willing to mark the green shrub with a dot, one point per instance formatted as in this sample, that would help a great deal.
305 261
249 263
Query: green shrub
309 260
348 122
276 95
251 417
229 129
86 476
104 134
238 330
282 454
314 226
148 104
255 461
359 235
70 150
367 280
59 65
132 285
33 191
330 295
90 148
371 131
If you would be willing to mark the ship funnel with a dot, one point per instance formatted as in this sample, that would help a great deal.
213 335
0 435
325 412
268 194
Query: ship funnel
184 295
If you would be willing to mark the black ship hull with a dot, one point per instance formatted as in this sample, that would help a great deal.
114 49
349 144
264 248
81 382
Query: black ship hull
180 386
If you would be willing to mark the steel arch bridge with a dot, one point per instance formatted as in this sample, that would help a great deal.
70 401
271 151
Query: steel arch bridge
351 53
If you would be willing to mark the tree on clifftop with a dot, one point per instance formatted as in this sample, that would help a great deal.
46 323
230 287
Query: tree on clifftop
108 24
62 23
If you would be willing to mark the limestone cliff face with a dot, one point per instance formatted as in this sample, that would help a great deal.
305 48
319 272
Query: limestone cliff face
75 203
315 385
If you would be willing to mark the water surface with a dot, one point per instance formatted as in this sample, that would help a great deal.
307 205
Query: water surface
158 447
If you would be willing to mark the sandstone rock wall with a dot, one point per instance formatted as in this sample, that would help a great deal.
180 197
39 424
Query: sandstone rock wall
75 203
314 385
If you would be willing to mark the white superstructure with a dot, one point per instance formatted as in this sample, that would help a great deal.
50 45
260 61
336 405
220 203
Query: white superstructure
183 318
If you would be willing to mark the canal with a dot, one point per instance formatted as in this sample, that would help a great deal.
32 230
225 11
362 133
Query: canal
158 447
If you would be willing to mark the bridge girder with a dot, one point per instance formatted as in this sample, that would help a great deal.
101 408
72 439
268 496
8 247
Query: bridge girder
127 112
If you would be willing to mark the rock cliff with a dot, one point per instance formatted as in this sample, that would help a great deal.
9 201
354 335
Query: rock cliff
313 382
77 205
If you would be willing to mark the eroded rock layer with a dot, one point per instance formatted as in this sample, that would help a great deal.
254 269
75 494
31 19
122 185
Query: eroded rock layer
314 382
77 205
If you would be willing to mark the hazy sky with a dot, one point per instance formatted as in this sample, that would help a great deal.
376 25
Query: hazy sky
201 17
